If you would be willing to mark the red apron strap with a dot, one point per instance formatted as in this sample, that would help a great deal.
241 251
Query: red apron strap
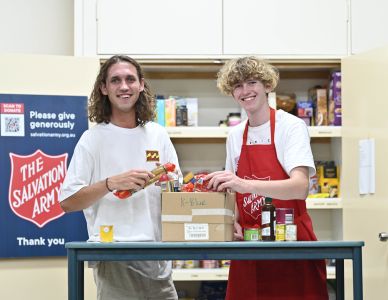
272 124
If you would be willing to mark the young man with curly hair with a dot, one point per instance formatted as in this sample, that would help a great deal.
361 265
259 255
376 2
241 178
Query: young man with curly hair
112 155
269 155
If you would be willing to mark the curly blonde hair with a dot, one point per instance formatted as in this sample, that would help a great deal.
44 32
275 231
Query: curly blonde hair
244 68
99 105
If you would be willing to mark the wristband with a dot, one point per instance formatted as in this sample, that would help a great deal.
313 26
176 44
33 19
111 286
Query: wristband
106 184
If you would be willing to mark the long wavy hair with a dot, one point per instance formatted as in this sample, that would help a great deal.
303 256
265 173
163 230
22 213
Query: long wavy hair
99 107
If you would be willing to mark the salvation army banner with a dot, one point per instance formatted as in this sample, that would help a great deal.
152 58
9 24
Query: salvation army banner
38 134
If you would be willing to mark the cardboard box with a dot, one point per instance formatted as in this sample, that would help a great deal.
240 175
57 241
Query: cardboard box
206 217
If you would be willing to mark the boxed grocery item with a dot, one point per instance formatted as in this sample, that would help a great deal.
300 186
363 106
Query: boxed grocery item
160 112
198 216
170 112
334 104
305 111
192 111
337 98
328 178
321 108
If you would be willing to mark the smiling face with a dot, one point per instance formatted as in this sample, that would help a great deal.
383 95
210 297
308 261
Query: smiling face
123 87
251 94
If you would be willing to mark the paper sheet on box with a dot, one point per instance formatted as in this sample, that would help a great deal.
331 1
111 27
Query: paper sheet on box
366 166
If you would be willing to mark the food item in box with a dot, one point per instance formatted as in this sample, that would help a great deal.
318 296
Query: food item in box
200 184
189 177
188 187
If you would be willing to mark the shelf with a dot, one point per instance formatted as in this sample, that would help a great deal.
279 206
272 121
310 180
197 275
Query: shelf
325 131
324 203
200 274
218 274
222 132
198 132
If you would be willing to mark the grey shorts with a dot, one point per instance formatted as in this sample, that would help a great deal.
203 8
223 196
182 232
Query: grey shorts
115 281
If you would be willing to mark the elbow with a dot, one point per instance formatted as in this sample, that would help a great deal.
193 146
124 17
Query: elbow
304 189
65 206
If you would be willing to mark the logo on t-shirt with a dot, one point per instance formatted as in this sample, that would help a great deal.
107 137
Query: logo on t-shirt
152 155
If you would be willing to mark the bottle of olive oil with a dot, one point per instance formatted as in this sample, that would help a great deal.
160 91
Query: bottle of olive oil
268 220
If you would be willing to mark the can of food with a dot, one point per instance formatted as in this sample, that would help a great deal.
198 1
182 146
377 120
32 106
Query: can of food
225 263
106 233
191 264
291 232
251 234
209 264
178 264
280 232
284 216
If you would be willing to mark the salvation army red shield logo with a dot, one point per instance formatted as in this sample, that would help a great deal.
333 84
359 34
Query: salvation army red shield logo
252 203
34 186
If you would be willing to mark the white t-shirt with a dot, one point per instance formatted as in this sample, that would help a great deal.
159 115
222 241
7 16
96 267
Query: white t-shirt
106 150
292 142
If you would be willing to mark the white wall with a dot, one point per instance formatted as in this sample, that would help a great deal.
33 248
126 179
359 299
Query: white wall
37 26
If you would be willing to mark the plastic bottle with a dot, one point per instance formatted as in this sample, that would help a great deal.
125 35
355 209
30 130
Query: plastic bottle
164 183
268 220
158 172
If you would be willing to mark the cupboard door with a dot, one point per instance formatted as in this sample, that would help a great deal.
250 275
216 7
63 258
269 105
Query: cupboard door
289 28
365 105
369 25
154 27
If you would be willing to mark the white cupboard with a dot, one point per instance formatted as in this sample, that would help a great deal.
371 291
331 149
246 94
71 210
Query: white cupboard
369 24
212 29
296 28
168 27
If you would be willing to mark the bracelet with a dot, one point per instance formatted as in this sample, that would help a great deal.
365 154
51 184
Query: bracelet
106 184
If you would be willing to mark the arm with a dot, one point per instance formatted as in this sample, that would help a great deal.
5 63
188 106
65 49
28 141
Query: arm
87 196
295 187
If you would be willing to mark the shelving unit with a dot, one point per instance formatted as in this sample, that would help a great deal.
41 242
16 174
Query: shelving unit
204 146
218 274
222 132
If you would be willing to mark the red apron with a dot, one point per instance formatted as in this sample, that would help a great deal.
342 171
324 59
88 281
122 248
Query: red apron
282 279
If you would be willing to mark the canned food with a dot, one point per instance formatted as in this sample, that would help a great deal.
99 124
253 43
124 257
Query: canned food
225 263
178 264
251 234
209 264
284 216
280 232
106 233
291 232
191 264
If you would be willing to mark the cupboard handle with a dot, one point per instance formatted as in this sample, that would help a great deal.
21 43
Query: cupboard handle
383 236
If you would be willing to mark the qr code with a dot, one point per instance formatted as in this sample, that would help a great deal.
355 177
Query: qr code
12 124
